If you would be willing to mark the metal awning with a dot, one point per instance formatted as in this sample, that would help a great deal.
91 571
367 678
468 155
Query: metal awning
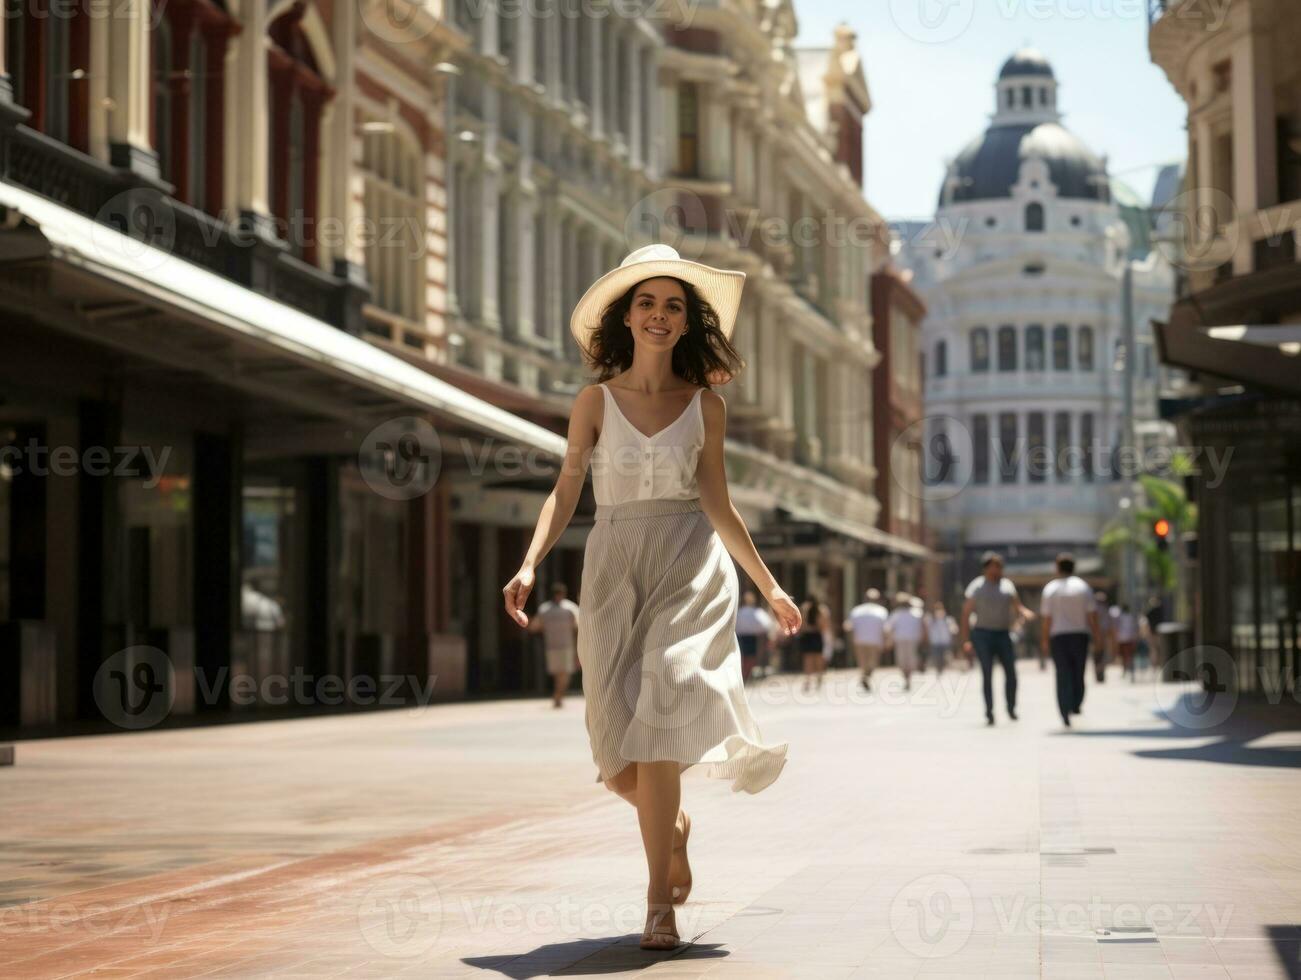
1268 356
268 331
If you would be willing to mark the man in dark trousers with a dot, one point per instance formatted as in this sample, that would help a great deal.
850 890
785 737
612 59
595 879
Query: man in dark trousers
1068 615
997 606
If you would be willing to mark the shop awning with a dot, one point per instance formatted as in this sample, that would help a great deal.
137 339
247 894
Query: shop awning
873 536
270 333
1268 356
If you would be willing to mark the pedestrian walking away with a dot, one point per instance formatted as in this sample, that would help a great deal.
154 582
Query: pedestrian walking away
1102 652
557 621
811 641
904 631
753 628
1127 635
866 624
1068 617
940 631
995 607
658 640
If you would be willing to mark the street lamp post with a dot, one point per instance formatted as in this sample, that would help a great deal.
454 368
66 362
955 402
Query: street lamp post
1130 590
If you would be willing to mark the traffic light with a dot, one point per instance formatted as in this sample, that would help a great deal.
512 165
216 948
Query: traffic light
1161 533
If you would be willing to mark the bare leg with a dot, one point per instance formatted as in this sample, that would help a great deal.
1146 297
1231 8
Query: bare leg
625 785
659 793
562 685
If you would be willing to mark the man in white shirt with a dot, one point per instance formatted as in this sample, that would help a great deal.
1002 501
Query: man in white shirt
866 623
557 621
1070 615
903 630
754 628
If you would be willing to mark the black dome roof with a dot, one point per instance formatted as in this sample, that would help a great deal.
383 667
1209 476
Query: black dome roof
1027 61
990 164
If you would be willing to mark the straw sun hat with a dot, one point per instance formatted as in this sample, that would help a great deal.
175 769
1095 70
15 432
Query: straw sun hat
721 288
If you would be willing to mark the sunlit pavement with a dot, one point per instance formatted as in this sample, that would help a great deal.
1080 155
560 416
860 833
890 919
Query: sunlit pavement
904 838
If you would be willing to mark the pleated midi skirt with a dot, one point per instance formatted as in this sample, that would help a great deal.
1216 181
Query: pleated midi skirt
657 641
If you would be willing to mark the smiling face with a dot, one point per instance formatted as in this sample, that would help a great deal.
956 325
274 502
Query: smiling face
658 315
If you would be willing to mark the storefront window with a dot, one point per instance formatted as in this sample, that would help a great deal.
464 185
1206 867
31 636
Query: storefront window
154 583
372 560
6 497
271 539
1242 586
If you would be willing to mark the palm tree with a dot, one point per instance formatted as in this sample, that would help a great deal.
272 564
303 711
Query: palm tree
1168 501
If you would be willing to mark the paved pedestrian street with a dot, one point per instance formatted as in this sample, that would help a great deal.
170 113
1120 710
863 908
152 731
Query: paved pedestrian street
904 838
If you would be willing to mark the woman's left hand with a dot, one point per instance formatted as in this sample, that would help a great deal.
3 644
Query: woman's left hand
787 613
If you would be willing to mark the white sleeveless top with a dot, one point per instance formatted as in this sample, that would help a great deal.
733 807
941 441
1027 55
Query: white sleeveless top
627 465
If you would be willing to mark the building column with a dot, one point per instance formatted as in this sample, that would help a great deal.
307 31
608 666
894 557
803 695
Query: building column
636 87
6 85
572 52
525 25
130 145
596 76
1255 153
553 23
343 182
246 103
489 201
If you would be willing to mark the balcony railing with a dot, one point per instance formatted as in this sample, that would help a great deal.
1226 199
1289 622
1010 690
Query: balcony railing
81 183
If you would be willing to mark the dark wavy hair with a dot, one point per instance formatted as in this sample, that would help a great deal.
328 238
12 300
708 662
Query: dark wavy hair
702 356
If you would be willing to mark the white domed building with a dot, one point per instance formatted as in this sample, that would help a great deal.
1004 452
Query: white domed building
1023 273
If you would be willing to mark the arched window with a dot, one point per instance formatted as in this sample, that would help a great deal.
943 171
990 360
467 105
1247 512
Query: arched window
941 358
1085 350
979 349
393 201
1061 347
1034 217
298 93
47 56
1034 347
189 50
1007 348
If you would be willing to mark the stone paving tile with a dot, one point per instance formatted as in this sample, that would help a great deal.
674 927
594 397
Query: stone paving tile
904 839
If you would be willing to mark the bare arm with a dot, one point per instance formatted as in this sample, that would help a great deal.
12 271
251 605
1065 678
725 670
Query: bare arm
558 509
716 502
964 622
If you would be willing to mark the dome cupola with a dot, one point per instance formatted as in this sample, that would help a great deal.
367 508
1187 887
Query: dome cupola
1026 125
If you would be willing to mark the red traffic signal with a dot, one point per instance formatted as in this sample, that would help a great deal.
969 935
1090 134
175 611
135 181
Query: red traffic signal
1161 528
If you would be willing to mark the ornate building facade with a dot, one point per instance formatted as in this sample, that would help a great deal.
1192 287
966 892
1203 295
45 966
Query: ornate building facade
1024 271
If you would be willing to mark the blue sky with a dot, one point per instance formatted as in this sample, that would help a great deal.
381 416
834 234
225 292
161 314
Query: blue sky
931 66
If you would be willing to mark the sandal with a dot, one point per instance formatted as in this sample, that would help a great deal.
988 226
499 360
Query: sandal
680 892
657 938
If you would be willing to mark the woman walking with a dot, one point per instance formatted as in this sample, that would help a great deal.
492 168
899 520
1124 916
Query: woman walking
661 664
811 641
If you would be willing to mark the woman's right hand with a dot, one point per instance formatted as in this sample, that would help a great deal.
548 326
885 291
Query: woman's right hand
516 594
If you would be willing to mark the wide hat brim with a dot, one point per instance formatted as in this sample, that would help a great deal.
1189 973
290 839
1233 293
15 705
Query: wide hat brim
720 288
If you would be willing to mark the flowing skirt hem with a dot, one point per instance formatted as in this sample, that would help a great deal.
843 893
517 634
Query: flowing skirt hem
751 767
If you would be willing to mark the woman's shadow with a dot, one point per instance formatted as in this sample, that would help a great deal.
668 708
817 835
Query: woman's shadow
589 957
